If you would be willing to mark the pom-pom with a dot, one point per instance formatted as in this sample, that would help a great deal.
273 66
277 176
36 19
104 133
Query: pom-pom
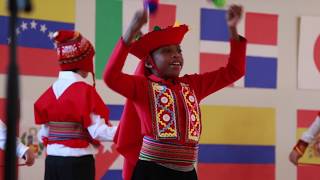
65 36
151 5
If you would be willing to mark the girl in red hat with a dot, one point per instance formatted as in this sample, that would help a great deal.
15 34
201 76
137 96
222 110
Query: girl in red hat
311 136
160 127
73 117
22 151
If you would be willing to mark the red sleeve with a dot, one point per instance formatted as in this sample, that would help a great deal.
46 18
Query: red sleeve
40 115
210 82
113 76
99 107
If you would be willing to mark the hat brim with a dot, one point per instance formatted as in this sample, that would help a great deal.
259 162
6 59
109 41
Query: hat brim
153 40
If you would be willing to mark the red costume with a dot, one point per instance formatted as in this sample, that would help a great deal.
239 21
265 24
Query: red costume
75 106
73 117
164 113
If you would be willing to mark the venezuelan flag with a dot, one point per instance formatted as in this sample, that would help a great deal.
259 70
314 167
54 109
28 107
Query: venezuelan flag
36 54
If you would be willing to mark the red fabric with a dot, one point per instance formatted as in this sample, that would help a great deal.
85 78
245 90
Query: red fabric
137 108
74 105
158 38
129 126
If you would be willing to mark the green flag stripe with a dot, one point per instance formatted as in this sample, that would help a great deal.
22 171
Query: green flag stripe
108 31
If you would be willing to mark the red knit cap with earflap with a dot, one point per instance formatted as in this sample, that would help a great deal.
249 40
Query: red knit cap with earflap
74 51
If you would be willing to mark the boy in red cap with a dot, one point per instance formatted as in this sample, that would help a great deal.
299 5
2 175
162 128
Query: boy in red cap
160 127
311 136
74 118
22 151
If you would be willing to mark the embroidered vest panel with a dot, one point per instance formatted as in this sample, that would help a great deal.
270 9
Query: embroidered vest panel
192 113
165 114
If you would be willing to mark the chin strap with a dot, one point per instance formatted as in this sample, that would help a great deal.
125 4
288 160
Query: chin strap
155 67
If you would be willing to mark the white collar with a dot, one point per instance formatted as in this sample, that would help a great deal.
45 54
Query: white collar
70 75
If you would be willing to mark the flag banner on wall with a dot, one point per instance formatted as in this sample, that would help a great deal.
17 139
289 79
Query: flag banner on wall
236 139
310 162
36 53
112 16
261 31
309 53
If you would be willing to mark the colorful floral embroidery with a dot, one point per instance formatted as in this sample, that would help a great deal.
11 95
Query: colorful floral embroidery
165 112
192 113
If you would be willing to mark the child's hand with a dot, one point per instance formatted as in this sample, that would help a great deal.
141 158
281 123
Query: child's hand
294 157
29 156
234 14
140 18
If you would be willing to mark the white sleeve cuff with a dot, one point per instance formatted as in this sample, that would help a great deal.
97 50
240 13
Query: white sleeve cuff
312 131
99 130
43 132
21 149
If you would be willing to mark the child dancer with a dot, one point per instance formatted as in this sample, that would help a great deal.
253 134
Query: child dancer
74 118
161 125
309 136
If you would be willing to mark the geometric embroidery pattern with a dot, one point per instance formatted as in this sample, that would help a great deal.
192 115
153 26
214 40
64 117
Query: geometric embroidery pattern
192 112
164 107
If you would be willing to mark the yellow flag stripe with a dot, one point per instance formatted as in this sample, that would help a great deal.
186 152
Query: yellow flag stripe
54 10
238 125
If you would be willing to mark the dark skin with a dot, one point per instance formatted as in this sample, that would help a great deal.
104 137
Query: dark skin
169 62
168 59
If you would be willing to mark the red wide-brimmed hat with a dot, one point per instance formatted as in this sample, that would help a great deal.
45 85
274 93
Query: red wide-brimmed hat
172 35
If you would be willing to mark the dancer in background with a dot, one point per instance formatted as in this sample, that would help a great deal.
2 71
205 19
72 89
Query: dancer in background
73 117
308 137
23 152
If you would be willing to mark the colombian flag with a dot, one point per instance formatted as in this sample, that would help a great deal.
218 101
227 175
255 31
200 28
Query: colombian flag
237 143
